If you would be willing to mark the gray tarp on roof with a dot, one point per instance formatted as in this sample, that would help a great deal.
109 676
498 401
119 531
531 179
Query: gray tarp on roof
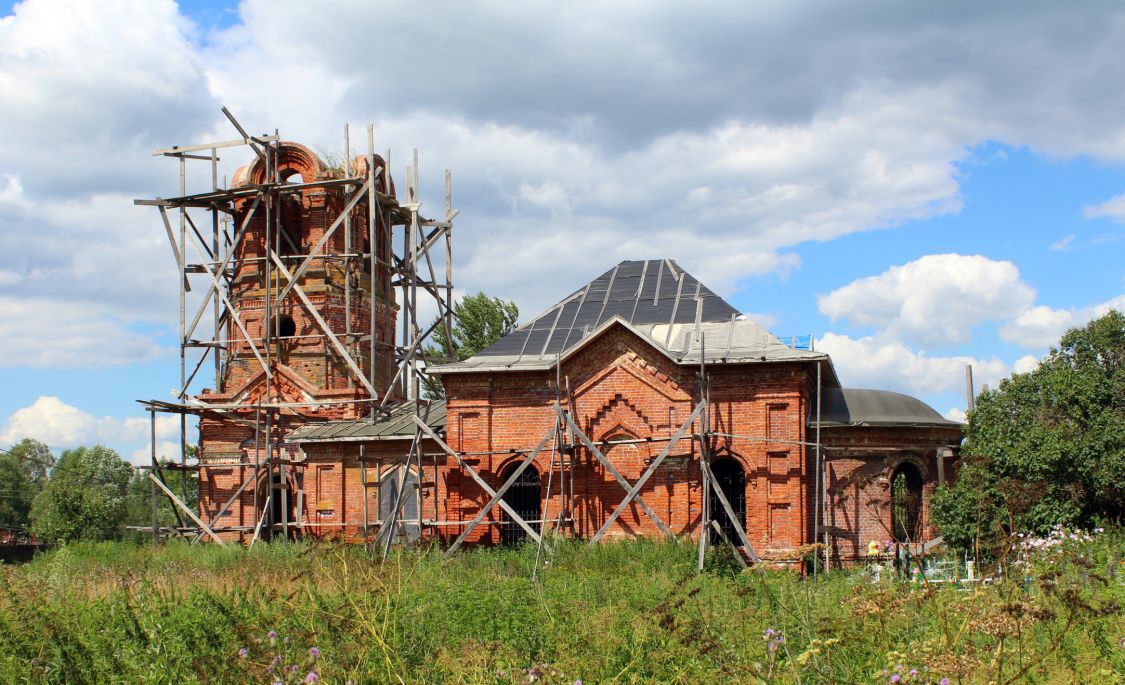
398 426
860 407
655 299
655 291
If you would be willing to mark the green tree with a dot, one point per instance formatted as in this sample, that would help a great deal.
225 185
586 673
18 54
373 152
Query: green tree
1047 446
16 493
35 459
478 321
84 499
23 472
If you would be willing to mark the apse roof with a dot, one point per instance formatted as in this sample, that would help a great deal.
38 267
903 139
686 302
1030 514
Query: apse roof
657 300
862 407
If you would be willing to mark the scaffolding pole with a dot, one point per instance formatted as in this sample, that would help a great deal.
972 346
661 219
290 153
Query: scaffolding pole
381 372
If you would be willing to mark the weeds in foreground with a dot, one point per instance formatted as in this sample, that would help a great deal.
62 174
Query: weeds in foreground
630 612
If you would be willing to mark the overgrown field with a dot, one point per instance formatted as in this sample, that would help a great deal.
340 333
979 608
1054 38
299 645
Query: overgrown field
627 612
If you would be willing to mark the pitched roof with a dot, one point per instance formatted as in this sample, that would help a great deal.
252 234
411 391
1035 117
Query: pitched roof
655 299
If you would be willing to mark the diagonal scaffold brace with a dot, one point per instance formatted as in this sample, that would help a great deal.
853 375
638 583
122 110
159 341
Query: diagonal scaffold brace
613 470
496 497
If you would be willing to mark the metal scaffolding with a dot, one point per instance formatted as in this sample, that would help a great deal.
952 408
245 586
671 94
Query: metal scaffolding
402 255
412 252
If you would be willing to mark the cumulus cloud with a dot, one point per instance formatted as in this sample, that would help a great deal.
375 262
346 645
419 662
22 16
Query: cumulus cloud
675 160
955 414
1041 327
936 299
562 166
165 450
85 99
1026 364
871 362
61 425
85 102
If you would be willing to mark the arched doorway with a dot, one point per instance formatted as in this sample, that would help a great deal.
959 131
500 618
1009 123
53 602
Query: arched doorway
407 527
523 498
906 503
731 479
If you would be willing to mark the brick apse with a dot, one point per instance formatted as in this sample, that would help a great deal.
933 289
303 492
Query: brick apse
621 356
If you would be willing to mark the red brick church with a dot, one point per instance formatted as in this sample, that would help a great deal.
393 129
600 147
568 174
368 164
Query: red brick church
600 415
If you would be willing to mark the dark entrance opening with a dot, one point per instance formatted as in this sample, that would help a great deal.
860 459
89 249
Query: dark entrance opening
906 503
523 498
407 527
731 479
281 509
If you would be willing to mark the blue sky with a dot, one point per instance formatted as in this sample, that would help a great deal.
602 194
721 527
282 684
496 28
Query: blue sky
916 186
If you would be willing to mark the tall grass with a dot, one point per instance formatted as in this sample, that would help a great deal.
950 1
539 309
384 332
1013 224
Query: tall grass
632 612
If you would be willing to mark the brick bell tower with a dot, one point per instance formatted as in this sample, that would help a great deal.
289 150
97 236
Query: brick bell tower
310 330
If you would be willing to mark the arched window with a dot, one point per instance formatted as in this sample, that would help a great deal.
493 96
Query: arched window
286 327
524 498
291 227
906 503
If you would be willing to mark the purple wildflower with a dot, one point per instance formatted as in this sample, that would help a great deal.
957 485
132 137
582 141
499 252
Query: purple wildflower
896 678
314 652
913 673
312 677
769 633
272 635
943 681
243 652
578 682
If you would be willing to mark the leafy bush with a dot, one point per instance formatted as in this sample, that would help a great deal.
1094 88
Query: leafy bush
1045 448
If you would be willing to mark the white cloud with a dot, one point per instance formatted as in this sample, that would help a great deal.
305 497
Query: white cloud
43 332
165 450
765 320
936 299
955 414
88 88
88 91
562 167
1064 244
872 362
1113 208
1041 327
61 425
1026 364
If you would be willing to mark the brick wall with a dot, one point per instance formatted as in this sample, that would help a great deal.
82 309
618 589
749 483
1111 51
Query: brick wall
861 462
623 389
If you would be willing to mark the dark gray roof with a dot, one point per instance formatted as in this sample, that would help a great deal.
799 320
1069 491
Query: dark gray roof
398 426
654 291
858 407
655 299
